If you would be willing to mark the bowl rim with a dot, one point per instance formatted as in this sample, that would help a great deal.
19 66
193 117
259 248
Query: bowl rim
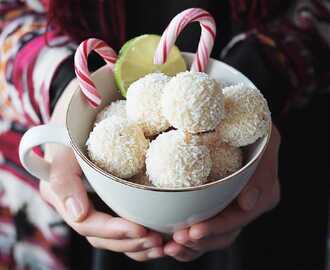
153 188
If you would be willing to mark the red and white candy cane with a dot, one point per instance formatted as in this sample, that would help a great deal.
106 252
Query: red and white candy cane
81 67
173 30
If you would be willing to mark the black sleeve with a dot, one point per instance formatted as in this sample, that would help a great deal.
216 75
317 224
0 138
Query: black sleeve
273 240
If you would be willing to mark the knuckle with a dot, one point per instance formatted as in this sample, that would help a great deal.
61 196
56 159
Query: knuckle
135 246
55 179
55 184
113 231
117 229
138 232
203 230
130 246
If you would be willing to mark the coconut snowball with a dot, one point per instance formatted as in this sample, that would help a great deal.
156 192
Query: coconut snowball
117 108
143 103
118 146
226 159
176 160
247 115
193 102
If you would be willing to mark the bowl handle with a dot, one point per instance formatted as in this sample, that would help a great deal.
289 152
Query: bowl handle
36 136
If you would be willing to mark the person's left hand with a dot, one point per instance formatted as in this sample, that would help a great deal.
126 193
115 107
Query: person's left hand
261 194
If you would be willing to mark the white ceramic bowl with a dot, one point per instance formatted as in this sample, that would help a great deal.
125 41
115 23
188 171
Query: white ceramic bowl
163 210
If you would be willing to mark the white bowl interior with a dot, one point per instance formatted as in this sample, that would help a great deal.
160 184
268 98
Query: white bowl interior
80 116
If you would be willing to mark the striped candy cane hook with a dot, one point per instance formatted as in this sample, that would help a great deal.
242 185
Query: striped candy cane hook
81 67
173 30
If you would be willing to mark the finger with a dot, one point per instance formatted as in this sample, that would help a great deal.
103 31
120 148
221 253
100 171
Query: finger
207 243
180 253
182 238
216 242
262 193
68 190
258 198
232 218
101 225
96 224
264 178
275 194
146 255
73 207
72 195
126 245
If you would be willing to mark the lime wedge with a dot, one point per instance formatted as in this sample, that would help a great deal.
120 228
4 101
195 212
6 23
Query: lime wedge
136 60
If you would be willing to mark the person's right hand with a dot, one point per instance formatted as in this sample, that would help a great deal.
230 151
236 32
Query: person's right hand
66 192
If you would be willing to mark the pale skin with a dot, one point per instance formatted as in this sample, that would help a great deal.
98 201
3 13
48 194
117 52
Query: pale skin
67 194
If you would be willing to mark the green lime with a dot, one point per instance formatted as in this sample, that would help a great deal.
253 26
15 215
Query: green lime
135 60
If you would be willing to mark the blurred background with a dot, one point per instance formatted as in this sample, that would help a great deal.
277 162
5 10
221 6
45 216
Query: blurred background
282 46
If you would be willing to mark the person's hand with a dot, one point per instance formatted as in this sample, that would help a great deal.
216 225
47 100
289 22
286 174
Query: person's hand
66 192
261 194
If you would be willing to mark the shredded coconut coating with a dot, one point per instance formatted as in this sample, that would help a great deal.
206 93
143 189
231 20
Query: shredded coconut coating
118 146
175 160
193 102
117 108
143 103
226 159
247 115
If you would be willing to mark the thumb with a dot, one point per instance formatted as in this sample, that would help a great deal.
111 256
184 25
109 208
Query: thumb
249 197
66 191
264 178
251 193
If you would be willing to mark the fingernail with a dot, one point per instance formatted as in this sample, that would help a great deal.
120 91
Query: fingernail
148 244
196 234
154 253
250 199
73 208
179 238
